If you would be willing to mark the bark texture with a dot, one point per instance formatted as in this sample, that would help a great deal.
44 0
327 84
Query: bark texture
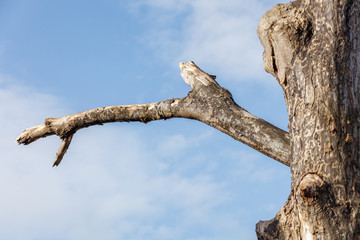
208 102
312 47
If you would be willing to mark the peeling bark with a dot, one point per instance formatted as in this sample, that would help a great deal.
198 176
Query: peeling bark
208 102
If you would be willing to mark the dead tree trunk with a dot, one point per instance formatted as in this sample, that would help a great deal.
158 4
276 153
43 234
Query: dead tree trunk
312 47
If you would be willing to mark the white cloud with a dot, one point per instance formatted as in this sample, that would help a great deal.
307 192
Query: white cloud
219 35
109 186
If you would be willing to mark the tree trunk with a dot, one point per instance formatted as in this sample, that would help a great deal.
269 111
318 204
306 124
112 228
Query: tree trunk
312 47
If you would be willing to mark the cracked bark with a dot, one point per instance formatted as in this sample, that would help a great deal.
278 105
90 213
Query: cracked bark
312 47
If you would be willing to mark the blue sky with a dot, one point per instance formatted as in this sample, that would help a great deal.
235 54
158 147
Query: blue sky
174 179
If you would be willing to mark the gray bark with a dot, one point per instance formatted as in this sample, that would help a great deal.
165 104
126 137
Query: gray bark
313 49
208 102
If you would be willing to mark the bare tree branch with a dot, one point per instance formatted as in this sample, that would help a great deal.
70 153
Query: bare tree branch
216 107
62 150
68 125
208 102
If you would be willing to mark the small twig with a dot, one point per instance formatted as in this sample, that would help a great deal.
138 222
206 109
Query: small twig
62 150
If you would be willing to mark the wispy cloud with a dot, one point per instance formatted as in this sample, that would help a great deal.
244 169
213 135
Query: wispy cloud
109 181
116 182
220 35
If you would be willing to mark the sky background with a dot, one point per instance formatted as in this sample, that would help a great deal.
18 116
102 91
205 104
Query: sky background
174 179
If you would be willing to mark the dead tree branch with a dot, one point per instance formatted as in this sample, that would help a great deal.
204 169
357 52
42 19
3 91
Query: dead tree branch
208 102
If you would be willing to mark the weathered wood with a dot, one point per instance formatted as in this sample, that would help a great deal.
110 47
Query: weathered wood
313 49
62 150
208 102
